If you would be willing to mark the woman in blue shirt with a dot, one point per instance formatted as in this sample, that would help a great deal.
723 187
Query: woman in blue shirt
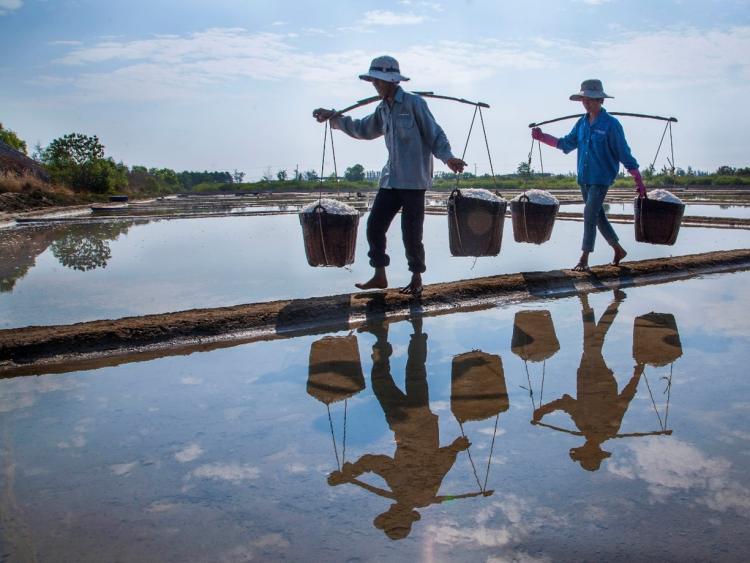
601 146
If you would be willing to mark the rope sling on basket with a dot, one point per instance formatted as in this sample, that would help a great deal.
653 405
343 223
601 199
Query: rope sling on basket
534 340
475 217
478 392
656 221
329 227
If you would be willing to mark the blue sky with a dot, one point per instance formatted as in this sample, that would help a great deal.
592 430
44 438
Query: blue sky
230 84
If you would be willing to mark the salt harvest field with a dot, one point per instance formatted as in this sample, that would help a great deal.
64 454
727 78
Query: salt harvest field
62 272
452 437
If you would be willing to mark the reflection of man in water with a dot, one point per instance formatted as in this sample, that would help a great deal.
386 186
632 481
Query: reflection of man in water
598 410
416 471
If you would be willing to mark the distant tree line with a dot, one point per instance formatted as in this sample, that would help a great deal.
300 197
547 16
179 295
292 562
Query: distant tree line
78 161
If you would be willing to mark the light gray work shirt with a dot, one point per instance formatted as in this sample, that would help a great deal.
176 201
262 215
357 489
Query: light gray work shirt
411 135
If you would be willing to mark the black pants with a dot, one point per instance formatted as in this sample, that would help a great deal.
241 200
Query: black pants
387 203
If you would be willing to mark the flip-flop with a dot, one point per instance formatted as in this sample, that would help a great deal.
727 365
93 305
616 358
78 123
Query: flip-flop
409 290
580 268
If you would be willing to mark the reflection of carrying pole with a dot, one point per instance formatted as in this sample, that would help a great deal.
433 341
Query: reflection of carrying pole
624 435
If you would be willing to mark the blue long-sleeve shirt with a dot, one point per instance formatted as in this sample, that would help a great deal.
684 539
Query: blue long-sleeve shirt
412 137
601 147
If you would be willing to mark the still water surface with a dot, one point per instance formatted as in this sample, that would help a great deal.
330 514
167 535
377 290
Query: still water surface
408 441
69 273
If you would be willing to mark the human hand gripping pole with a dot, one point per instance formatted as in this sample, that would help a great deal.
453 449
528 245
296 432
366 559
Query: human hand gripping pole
322 114
639 186
537 135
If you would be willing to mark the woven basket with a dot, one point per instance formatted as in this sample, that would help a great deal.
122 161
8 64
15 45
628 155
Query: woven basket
657 222
335 371
475 226
478 388
656 340
330 238
532 222
534 338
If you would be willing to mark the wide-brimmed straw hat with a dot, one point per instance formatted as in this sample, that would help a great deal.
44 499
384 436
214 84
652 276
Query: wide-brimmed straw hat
590 89
384 68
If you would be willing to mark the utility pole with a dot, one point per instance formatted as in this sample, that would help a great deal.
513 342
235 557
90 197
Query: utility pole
296 172
475 169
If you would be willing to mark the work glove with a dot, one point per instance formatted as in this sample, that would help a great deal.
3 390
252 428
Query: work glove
537 135
635 173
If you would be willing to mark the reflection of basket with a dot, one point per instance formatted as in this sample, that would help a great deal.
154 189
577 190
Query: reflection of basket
534 338
656 340
657 222
532 222
335 370
478 388
475 226
330 238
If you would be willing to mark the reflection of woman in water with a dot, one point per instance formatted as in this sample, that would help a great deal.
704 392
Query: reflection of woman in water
416 470
598 409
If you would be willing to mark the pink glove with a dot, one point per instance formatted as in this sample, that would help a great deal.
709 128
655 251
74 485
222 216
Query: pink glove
537 135
638 182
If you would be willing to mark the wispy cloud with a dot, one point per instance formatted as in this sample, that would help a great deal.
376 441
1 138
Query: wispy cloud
7 6
386 17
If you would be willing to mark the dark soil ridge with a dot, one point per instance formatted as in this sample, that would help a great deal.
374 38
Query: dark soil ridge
48 349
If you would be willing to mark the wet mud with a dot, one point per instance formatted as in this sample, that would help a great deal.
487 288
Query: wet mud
45 349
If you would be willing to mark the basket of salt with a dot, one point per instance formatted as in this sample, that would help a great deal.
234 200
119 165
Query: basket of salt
658 217
329 228
533 213
534 338
478 388
656 340
335 371
475 222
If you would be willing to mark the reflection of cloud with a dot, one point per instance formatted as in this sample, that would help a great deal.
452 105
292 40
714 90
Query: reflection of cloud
123 468
673 466
233 472
255 549
78 439
191 452
520 520
296 468
22 392
191 380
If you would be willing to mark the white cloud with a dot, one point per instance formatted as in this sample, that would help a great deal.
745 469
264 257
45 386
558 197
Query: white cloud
233 472
594 2
385 17
7 6
189 453
191 380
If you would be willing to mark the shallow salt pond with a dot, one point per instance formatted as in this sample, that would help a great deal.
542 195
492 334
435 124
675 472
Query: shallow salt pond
641 452
67 273
691 209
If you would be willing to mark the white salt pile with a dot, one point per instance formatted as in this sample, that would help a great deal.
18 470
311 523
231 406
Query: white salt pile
478 193
663 195
331 206
541 197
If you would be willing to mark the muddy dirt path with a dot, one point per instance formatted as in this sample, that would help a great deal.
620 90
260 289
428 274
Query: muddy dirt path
34 350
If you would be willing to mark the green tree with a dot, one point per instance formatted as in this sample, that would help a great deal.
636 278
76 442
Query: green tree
78 161
524 169
355 173
10 138
281 175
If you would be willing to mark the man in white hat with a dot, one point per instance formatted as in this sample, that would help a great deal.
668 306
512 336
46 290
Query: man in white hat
412 137
601 145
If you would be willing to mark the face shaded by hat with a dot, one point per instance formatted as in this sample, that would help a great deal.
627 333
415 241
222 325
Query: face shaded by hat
384 68
590 89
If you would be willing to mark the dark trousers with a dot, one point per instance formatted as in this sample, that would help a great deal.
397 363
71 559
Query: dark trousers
387 203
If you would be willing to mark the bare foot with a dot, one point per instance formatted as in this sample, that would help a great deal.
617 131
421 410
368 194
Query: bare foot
415 286
581 267
378 281
620 253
